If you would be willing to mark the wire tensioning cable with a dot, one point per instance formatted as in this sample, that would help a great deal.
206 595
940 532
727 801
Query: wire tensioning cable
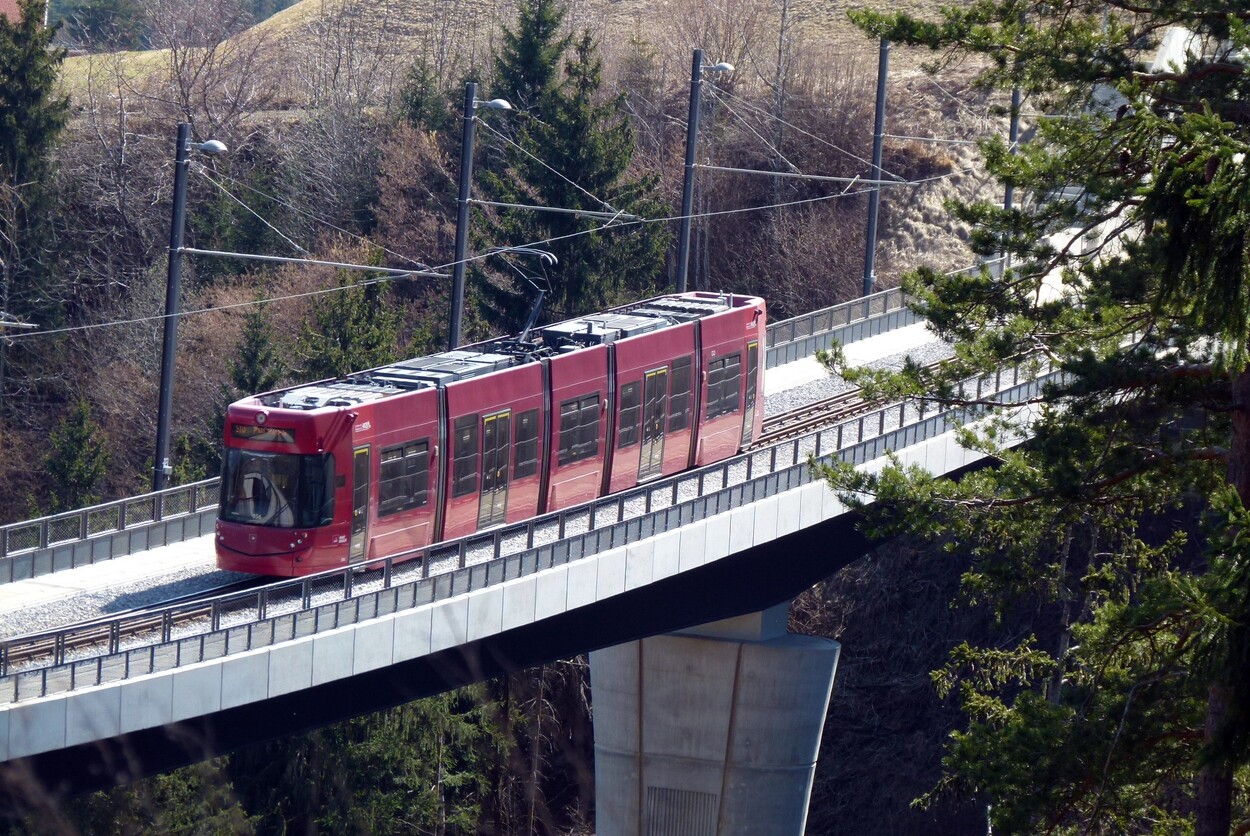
765 114
368 282
608 206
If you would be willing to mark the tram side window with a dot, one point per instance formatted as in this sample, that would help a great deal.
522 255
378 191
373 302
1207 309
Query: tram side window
405 477
631 411
724 379
525 452
679 395
579 429
464 455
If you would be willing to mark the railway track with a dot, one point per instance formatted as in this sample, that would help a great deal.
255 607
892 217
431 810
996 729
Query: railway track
22 650
813 416
810 417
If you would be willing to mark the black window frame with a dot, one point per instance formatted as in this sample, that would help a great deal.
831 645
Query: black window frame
630 416
724 385
579 429
526 428
466 455
679 399
404 477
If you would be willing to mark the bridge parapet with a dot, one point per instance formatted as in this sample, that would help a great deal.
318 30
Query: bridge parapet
113 529
287 611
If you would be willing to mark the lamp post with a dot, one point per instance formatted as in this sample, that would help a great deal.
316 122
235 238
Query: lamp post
471 103
692 134
173 296
874 198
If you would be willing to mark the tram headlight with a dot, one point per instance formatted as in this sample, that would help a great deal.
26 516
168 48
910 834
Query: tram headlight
261 418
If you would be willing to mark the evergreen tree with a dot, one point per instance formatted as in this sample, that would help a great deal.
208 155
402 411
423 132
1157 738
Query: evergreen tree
527 66
1131 710
194 799
32 114
78 461
423 104
567 148
258 365
197 456
106 24
351 330
419 768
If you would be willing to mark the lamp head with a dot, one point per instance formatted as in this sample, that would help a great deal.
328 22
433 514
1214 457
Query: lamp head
212 147
722 67
493 104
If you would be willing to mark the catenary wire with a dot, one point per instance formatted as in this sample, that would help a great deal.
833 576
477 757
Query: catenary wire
610 226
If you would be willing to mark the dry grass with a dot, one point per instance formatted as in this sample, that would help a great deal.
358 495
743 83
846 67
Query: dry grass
411 25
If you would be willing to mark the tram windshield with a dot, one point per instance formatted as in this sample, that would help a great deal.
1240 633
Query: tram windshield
277 489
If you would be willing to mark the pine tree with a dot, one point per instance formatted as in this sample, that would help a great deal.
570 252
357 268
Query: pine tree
258 365
106 24
351 330
527 66
423 104
32 114
78 461
568 147
1129 273
419 767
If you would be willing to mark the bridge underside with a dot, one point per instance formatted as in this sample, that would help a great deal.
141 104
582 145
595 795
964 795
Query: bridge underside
746 582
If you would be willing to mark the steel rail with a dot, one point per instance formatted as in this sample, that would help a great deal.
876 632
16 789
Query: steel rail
31 647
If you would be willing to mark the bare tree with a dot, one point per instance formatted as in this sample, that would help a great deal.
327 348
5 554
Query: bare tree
217 70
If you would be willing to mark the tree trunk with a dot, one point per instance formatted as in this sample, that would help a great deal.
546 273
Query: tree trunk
1215 779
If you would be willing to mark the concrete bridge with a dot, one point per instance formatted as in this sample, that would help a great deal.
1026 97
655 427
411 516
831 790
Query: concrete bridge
707 713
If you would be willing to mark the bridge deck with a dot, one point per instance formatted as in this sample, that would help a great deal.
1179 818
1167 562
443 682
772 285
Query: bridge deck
147 577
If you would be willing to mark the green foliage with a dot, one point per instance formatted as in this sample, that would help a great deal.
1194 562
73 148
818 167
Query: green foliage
78 460
567 147
352 329
32 114
1129 275
258 365
195 799
104 24
419 768
527 66
264 9
196 457
423 103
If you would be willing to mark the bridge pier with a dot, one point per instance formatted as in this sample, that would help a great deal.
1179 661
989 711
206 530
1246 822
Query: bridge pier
713 730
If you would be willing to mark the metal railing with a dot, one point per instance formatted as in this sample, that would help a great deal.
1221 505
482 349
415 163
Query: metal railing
292 609
102 532
114 529
802 336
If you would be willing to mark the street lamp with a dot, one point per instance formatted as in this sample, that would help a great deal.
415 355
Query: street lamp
471 103
874 197
692 134
173 292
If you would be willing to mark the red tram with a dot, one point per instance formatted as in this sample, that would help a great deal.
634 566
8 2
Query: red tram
341 471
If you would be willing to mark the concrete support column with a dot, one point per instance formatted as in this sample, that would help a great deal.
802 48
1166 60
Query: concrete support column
713 730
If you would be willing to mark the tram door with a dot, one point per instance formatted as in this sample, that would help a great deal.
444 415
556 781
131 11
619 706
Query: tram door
654 413
360 504
496 452
748 413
